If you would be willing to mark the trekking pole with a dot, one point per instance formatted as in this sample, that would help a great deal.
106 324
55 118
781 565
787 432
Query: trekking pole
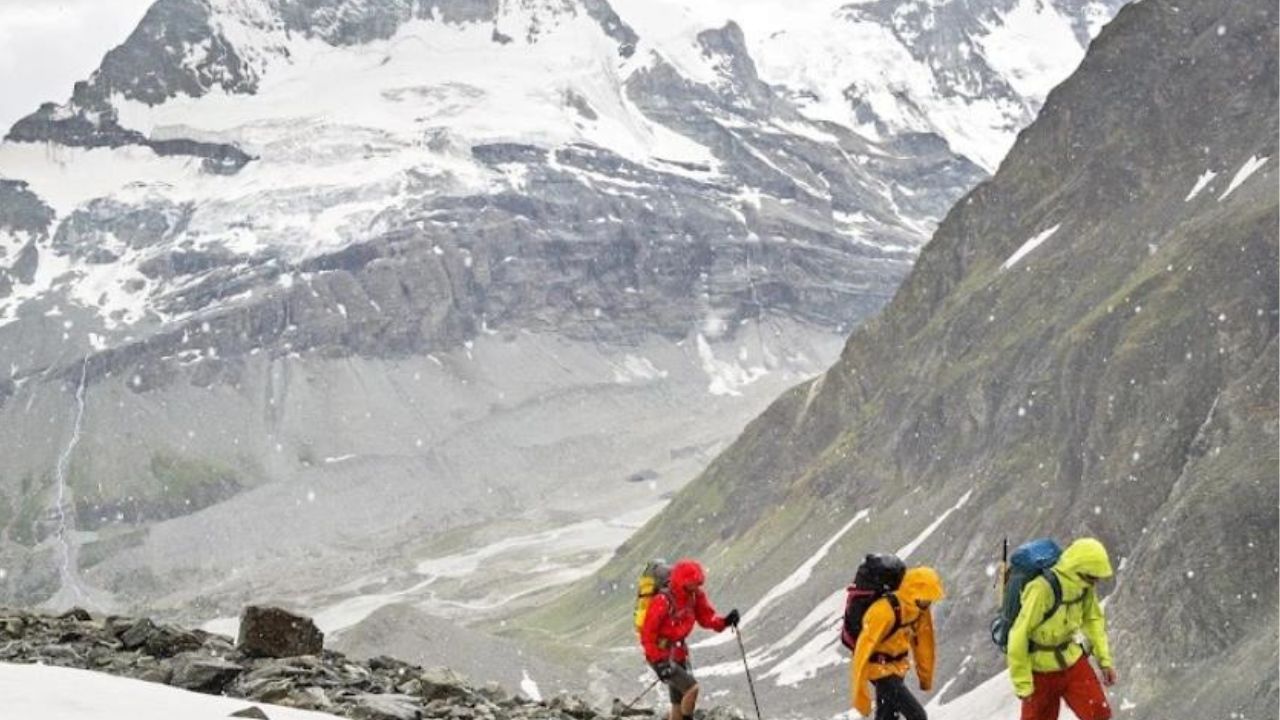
747 667
628 706
1002 574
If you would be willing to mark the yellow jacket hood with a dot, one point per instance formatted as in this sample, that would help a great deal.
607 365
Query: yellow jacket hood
1085 556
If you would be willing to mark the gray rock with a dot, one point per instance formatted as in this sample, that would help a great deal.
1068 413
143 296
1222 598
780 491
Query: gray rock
386 707
156 672
278 633
137 634
168 641
307 698
442 683
12 626
252 711
76 613
267 691
194 671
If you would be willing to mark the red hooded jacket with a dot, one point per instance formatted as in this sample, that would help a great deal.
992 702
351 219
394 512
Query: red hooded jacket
673 612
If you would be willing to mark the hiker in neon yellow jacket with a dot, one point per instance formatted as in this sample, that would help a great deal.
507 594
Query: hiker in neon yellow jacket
1046 663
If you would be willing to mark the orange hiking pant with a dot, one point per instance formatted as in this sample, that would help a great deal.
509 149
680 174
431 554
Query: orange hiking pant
1078 686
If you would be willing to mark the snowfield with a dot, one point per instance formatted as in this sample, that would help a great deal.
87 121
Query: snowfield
41 692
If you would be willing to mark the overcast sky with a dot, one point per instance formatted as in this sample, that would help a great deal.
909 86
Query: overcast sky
47 45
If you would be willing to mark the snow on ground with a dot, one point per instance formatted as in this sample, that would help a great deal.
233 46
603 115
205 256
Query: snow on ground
1033 46
51 269
1205 178
905 551
726 378
41 692
796 579
1250 167
822 648
529 687
992 700
434 74
636 369
1028 246
563 554
336 131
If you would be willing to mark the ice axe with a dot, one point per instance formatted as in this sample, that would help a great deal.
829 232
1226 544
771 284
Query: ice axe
750 684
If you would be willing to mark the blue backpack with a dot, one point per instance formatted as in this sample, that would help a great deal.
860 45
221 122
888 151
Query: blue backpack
1030 561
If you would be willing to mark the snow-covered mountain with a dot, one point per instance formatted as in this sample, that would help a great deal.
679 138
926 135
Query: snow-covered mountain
246 137
412 265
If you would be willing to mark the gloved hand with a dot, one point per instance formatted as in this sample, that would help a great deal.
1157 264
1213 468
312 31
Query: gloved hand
731 620
665 669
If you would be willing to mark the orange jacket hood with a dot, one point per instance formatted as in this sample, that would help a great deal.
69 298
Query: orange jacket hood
921 583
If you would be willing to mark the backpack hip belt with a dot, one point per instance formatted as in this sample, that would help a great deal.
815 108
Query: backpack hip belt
1059 651
885 658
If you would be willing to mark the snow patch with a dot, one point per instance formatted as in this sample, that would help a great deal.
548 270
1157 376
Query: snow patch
726 378
1028 246
821 649
1033 46
1205 178
992 700
636 369
905 551
796 579
55 693
1250 167
570 552
529 687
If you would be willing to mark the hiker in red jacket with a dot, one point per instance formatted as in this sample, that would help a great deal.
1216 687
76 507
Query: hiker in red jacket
668 622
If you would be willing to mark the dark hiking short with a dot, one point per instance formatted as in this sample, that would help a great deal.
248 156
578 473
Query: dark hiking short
680 681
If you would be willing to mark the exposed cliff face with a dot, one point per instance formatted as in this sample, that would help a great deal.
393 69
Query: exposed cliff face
1087 346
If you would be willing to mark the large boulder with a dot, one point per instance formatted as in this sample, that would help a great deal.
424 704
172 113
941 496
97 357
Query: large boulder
274 632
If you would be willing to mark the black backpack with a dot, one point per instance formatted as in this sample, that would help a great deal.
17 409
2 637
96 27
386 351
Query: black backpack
877 577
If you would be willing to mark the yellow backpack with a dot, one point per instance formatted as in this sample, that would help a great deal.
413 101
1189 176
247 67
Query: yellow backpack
652 581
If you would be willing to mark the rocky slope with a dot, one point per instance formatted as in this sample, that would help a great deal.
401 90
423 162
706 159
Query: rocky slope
1087 346
381 688
289 289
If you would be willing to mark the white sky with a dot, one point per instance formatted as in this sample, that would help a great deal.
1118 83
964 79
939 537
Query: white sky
47 45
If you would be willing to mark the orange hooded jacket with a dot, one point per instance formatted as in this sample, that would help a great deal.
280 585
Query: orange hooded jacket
914 636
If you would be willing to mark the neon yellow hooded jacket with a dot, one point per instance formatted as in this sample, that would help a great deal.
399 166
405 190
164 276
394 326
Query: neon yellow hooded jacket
916 636
1079 612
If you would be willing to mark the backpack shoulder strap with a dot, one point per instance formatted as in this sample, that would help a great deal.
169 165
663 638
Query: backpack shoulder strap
897 615
1055 585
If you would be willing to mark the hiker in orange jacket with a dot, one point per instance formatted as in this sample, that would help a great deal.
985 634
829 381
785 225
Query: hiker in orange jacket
888 639
669 621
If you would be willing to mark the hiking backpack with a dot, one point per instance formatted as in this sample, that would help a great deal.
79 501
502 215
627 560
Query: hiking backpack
653 580
877 577
1031 560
